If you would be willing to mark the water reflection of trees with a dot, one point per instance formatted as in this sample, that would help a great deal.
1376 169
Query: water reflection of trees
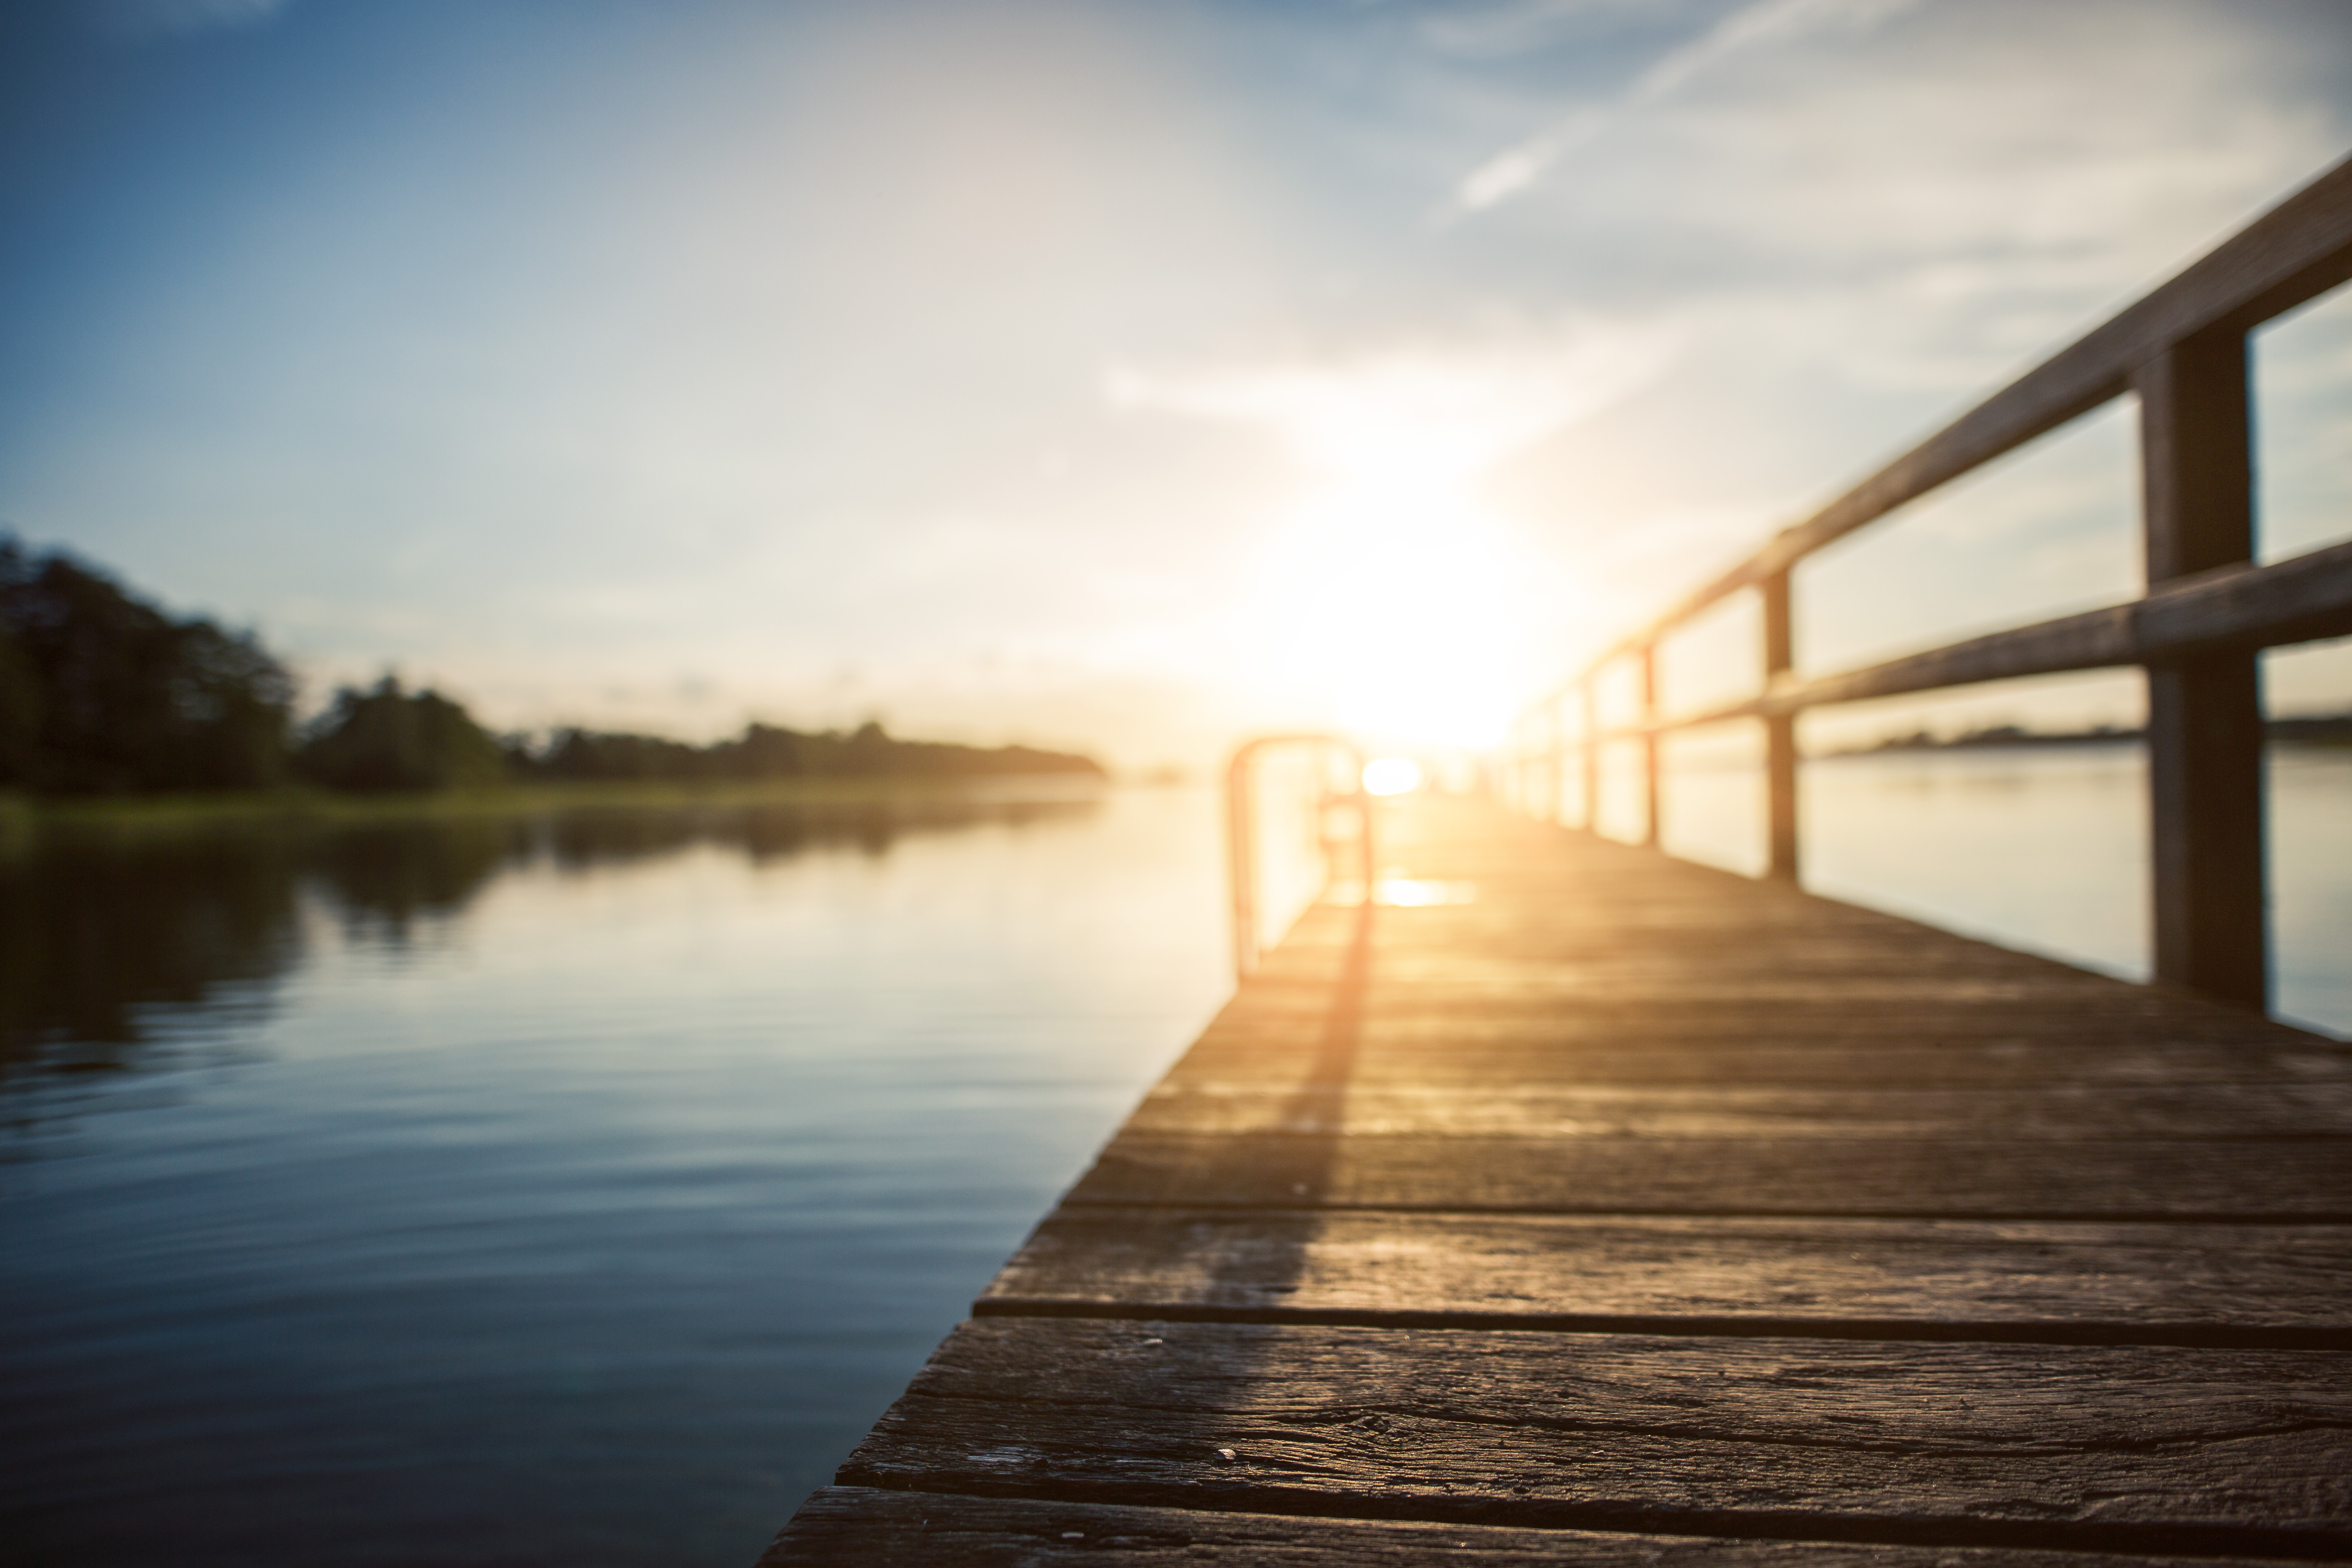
382 879
108 944
93 936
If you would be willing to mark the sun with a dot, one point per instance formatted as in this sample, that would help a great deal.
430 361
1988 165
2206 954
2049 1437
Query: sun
1392 598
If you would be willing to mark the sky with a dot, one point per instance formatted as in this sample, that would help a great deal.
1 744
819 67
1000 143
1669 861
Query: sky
1122 375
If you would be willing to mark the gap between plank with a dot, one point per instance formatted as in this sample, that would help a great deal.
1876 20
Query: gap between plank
1297 1205
1536 1513
2192 1336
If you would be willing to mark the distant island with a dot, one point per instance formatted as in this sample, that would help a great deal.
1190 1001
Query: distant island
2332 728
103 694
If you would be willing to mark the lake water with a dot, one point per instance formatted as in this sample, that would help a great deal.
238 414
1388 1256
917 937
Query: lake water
2039 847
569 1192
577 1190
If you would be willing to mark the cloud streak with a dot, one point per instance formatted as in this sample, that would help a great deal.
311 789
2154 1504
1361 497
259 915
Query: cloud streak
138 21
1765 25
1458 409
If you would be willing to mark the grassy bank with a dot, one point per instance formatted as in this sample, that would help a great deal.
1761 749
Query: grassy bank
25 820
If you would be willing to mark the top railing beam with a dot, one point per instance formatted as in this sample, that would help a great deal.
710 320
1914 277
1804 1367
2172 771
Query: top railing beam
2292 254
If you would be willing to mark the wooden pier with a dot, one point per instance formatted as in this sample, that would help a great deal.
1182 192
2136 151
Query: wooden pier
1610 1208
1579 1205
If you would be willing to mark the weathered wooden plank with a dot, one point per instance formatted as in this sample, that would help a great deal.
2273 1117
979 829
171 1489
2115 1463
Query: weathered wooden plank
1530 991
1195 1104
1667 1009
1399 987
1454 950
1883 1204
1475 955
2137 1283
2130 1448
1532 988
2248 1180
1733 1061
1490 909
1505 902
1651 943
1430 974
878 1528
2136 1015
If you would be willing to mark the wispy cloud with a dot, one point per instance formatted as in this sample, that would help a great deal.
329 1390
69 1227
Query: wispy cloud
139 20
1512 26
1460 407
1764 25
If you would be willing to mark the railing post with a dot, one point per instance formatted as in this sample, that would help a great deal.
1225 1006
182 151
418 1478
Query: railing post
1592 701
2205 717
1240 855
1779 735
1557 784
1649 657
1242 836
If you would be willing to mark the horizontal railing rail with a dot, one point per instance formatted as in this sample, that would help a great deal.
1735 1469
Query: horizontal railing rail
2207 612
2288 256
2298 600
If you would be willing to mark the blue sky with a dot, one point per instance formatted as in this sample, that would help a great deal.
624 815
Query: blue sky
1124 376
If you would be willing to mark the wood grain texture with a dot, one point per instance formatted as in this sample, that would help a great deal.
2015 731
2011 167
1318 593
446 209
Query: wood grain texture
866 1525
2140 1283
1630 1201
1480 1053
1191 1104
1961 1444
1736 1015
2118 1179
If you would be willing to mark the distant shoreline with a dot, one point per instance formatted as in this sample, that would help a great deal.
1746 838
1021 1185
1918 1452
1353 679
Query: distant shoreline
2327 730
24 817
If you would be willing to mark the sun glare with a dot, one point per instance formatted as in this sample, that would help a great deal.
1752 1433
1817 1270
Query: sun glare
1392 775
1396 604
1393 602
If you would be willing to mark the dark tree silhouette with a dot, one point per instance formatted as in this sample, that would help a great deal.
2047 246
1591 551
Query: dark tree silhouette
385 739
103 693
770 751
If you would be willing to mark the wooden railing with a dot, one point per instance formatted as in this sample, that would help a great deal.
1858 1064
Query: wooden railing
2207 612
1243 829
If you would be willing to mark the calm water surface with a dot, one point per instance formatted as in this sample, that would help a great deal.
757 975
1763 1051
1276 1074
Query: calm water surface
576 1191
2040 848
555 1192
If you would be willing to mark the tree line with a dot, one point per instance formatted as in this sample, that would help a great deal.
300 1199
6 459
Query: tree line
103 693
